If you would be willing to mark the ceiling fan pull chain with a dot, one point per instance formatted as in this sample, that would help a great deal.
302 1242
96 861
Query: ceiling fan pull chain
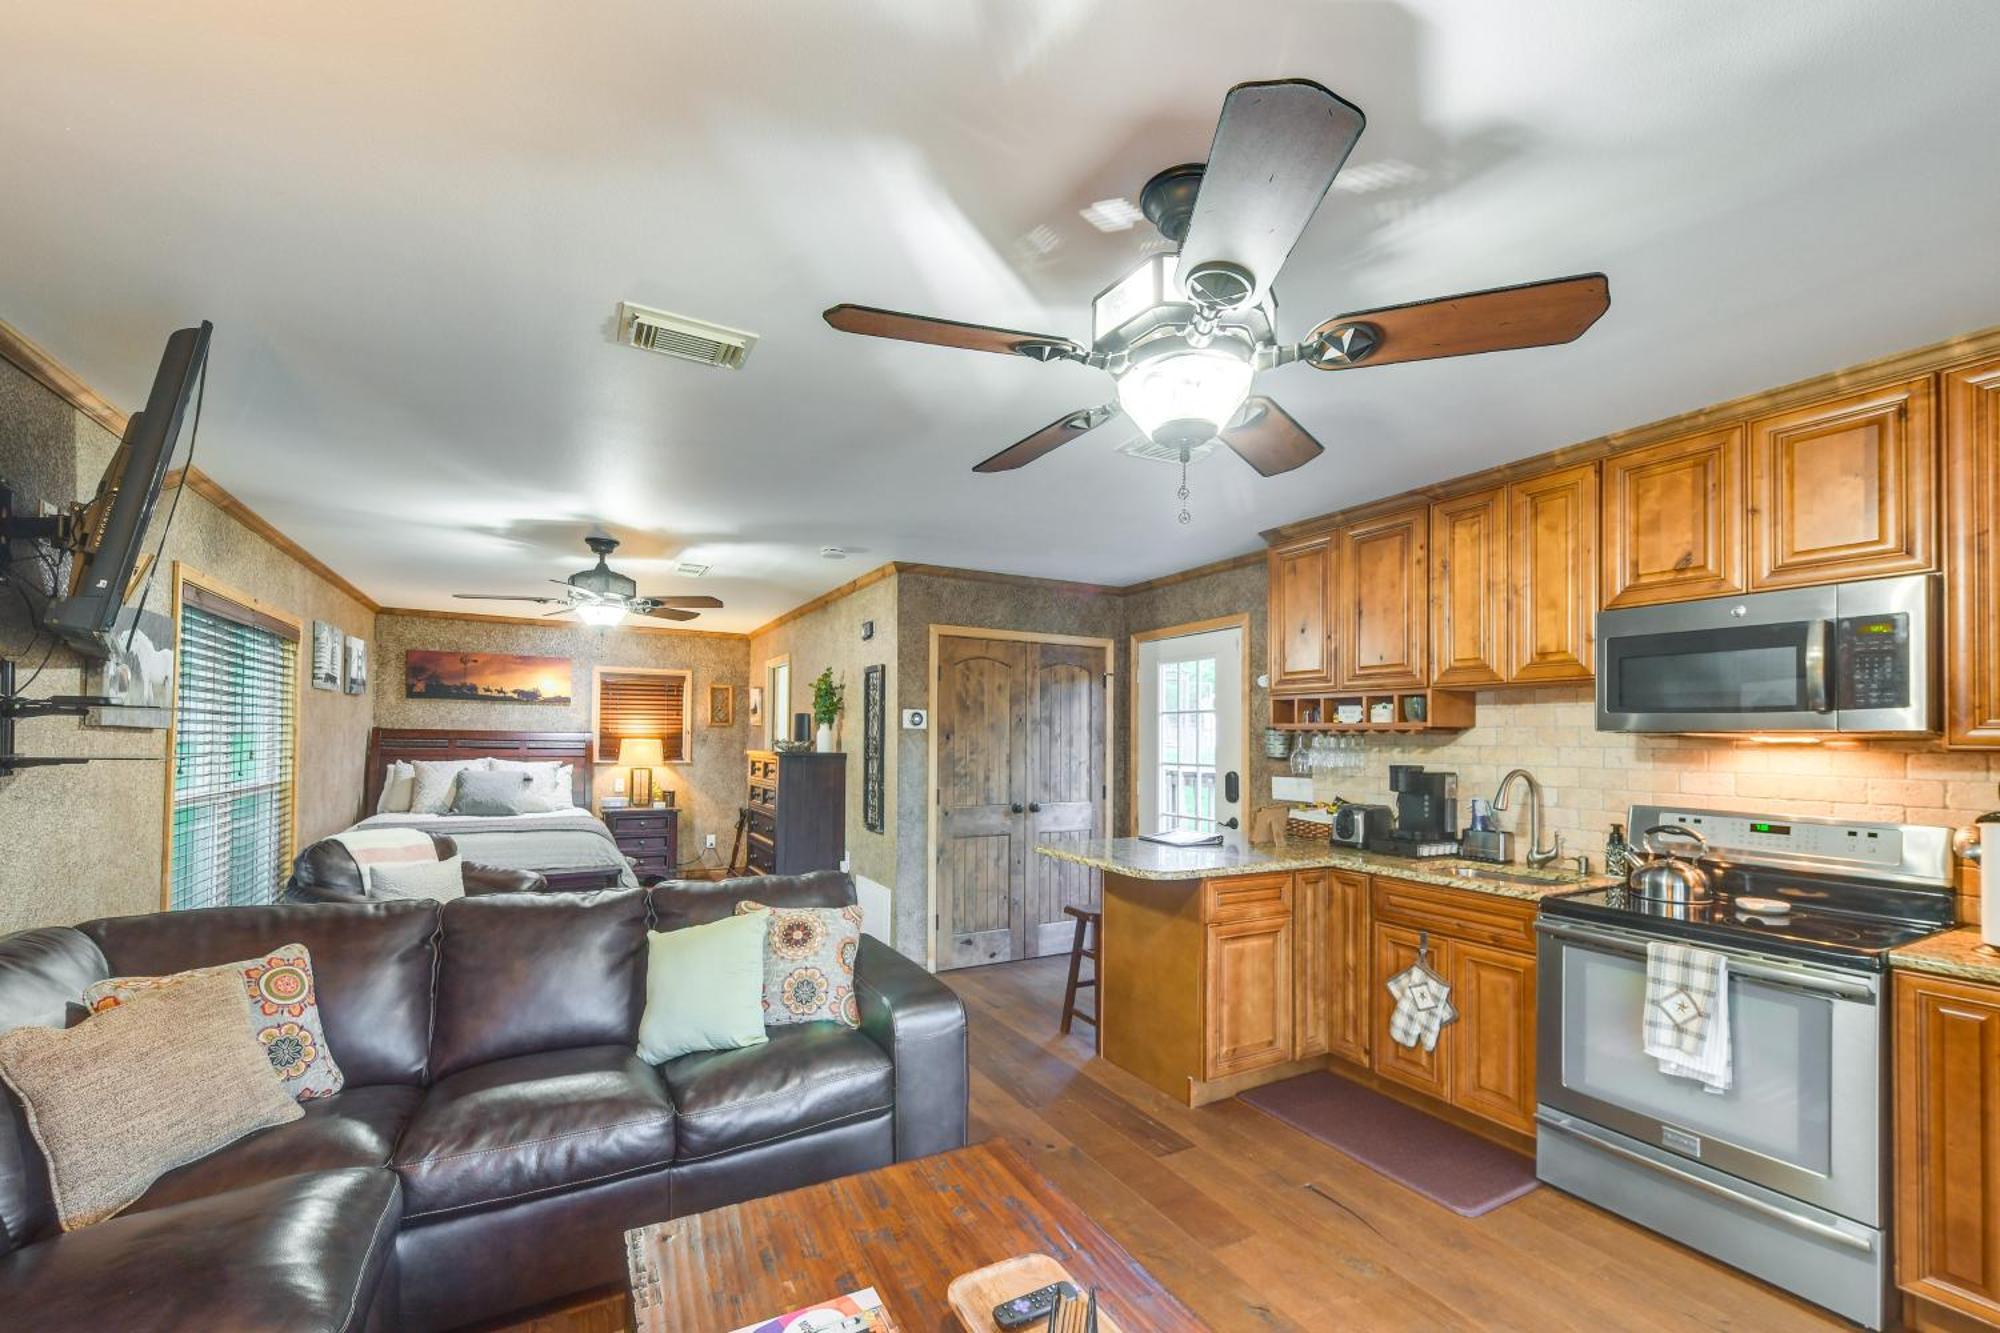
1186 517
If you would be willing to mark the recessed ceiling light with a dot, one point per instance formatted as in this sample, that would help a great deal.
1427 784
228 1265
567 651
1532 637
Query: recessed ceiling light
832 553
688 569
1113 215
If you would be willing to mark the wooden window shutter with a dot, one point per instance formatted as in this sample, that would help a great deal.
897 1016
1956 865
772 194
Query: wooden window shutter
642 703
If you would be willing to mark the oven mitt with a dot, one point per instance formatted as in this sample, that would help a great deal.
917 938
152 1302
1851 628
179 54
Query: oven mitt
1423 1006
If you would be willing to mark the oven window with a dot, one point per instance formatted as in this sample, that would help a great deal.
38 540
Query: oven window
1780 1104
1756 669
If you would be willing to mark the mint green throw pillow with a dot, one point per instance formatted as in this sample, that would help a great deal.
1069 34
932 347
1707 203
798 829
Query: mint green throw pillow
704 988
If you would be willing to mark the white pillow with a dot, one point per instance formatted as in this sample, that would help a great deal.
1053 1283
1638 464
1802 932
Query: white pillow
438 880
398 781
435 780
550 789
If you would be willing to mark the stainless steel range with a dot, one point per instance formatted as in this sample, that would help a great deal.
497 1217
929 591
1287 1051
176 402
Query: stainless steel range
1785 1175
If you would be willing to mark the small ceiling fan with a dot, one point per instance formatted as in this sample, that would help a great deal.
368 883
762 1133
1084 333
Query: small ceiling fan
1185 334
602 596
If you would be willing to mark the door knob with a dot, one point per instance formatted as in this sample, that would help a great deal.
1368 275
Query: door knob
1035 807
1016 807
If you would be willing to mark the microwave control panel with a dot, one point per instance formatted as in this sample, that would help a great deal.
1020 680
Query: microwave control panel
1874 661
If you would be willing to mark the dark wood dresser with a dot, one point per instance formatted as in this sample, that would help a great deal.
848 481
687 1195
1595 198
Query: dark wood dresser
798 812
646 834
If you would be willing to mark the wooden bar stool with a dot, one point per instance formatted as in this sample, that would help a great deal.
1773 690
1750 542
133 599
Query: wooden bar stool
1087 923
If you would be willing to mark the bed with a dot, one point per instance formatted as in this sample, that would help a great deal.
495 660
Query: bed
571 847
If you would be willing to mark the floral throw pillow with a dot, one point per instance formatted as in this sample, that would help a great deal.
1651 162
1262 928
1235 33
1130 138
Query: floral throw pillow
284 1014
809 964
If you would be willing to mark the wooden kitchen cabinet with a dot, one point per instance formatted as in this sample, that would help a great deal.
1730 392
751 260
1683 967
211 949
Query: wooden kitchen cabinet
1972 553
1469 589
1350 987
1845 489
1673 520
1947 1135
1247 1010
1552 532
1312 962
1300 631
1493 1051
1396 948
1381 602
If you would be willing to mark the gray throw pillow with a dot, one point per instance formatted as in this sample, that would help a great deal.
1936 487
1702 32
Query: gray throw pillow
498 793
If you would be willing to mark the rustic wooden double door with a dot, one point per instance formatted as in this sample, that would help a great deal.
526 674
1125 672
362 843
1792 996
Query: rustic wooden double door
1021 760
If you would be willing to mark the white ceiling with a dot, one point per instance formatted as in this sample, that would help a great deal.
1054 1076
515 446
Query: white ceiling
411 225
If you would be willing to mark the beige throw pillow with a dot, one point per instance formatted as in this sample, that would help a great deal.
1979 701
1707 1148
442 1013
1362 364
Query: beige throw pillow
440 881
127 1095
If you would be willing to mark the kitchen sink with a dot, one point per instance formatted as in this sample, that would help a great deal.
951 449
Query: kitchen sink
1503 876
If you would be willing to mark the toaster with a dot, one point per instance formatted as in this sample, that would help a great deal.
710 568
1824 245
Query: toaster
1358 825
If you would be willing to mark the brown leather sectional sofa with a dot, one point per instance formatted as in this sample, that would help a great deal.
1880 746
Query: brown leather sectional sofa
497 1133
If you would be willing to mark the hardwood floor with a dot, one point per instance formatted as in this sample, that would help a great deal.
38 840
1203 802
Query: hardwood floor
1256 1226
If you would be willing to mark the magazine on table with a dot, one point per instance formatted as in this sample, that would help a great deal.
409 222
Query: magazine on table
856 1312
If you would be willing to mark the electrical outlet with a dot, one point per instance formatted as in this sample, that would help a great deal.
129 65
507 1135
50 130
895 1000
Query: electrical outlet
618 786
708 842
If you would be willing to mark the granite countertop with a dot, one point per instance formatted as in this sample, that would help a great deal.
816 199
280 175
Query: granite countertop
1952 953
1138 859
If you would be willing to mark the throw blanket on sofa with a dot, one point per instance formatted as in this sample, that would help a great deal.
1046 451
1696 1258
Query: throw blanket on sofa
570 840
371 847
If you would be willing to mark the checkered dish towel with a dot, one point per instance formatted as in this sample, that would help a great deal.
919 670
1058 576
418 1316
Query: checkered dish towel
1687 1013
1423 1006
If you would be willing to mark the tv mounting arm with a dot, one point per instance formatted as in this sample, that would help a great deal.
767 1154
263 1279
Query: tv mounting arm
13 709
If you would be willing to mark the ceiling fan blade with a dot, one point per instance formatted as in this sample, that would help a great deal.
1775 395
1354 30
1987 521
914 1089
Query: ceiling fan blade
710 603
1050 437
1534 314
877 323
1277 148
501 597
1266 437
669 613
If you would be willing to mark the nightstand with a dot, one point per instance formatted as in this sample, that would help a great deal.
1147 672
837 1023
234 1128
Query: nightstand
646 834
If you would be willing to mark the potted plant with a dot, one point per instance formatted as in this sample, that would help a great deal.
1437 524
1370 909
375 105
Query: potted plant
828 701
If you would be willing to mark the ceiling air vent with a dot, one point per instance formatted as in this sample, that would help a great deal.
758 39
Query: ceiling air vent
679 336
1141 447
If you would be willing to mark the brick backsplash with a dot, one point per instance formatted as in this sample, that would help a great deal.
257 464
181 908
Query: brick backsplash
1590 778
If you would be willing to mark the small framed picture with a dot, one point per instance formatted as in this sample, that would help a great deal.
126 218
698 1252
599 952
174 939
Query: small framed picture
756 705
721 706
357 665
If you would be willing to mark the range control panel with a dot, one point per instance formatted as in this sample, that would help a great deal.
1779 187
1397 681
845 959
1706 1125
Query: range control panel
1830 842
1918 855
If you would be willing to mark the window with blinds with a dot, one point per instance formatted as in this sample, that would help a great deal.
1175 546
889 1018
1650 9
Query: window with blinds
641 704
234 755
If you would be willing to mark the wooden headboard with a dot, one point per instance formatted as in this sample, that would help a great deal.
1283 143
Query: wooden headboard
388 744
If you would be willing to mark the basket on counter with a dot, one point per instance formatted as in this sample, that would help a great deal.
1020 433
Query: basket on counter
1309 825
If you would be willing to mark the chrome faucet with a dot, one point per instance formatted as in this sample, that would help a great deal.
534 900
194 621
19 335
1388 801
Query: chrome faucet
1538 855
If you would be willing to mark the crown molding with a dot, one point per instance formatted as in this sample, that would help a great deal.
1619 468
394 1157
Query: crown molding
549 622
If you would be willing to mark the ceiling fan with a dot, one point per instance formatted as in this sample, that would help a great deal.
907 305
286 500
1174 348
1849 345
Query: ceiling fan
1185 334
602 596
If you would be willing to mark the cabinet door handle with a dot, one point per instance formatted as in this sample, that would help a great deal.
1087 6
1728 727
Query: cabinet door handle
1035 807
1016 807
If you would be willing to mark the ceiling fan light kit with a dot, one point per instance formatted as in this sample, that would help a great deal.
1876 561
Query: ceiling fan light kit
603 597
1184 335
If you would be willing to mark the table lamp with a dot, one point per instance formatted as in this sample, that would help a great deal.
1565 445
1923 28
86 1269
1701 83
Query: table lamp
641 754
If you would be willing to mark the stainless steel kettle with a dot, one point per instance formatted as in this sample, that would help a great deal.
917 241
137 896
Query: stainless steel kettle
1666 875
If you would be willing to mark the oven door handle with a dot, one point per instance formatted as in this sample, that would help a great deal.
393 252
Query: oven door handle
1563 1124
1812 983
1819 638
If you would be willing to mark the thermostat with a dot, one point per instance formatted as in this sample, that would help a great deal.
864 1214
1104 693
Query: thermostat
915 719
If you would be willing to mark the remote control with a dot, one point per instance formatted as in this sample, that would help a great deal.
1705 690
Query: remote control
1033 1307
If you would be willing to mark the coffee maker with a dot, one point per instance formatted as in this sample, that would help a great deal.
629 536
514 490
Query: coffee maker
1426 813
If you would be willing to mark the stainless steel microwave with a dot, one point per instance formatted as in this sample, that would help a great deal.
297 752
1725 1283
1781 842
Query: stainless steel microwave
1843 657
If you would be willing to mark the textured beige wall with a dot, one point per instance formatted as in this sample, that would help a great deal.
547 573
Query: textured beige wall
708 790
84 841
830 636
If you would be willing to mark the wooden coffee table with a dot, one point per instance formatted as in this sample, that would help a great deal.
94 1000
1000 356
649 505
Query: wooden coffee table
906 1230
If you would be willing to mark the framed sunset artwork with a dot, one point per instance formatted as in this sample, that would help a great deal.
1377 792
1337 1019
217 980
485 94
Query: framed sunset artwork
501 678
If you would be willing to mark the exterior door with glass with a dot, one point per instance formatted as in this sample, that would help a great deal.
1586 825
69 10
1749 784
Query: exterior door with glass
1190 732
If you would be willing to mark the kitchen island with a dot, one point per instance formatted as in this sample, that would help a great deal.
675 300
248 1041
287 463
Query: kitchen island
1223 968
